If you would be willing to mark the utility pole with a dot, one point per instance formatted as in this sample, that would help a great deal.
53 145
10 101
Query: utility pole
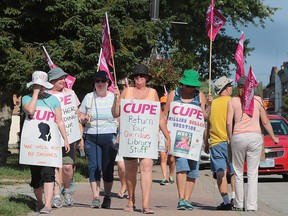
154 9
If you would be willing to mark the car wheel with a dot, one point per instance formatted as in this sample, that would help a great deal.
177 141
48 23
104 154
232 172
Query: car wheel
285 177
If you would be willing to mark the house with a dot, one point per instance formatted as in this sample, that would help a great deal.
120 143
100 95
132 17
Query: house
277 87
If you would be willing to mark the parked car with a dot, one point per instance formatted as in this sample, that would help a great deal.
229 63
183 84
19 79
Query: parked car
276 155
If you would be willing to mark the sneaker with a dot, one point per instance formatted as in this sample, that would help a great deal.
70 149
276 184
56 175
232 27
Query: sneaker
238 209
164 182
171 180
106 203
181 204
67 197
46 210
188 205
232 202
96 203
72 187
223 207
56 202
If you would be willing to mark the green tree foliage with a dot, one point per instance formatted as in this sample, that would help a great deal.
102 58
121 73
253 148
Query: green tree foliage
71 32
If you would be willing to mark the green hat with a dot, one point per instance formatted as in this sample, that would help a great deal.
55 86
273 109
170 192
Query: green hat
190 78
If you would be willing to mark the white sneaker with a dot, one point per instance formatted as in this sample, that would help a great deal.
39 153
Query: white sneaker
67 197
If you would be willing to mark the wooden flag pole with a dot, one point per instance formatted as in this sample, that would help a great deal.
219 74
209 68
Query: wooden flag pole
210 57
111 49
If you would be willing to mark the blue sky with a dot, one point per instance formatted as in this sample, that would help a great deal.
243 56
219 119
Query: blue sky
270 43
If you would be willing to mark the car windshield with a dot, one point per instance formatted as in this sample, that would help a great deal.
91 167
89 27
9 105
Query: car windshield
279 126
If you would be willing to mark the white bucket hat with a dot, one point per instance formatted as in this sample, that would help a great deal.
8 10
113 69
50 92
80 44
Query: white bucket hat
221 83
40 78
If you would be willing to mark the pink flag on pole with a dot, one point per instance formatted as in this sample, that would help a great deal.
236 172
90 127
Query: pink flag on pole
107 50
215 18
102 64
248 94
239 57
69 80
48 59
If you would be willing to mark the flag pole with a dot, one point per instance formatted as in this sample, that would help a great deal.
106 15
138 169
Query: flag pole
99 59
210 53
111 49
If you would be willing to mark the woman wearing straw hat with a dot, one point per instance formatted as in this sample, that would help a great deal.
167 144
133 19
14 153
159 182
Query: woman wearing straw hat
43 176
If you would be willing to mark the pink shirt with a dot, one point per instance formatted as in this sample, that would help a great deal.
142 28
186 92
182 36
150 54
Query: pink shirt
242 122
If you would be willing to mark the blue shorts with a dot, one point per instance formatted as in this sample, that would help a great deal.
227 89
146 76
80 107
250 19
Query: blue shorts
219 158
190 166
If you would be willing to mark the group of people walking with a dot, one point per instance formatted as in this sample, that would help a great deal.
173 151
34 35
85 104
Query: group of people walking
98 119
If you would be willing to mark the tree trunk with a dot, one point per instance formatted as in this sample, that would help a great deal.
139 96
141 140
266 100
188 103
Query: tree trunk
6 104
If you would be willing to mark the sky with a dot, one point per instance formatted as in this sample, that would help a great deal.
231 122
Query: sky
270 43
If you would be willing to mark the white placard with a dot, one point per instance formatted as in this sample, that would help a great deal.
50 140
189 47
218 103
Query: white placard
139 128
69 116
40 140
186 125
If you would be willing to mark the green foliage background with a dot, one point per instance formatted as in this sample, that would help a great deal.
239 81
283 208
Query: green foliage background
71 32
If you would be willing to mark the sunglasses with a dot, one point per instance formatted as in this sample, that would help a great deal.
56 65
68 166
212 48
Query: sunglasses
140 75
102 81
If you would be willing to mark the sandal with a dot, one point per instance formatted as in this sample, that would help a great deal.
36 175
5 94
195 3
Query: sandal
147 211
129 208
121 195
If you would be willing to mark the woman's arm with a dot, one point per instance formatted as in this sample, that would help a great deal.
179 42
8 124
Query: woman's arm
61 126
115 110
30 107
164 129
267 125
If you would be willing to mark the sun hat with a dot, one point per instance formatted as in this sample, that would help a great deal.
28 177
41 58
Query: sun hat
190 78
40 78
242 81
221 83
140 69
56 73
103 75
163 99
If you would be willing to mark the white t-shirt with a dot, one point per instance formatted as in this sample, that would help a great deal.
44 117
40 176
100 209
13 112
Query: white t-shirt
99 108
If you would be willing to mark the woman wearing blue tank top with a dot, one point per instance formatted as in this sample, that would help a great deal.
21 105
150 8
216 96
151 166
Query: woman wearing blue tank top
187 170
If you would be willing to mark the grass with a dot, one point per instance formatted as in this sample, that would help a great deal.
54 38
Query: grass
18 205
14 173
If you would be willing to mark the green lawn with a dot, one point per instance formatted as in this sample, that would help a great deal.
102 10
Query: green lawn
14 173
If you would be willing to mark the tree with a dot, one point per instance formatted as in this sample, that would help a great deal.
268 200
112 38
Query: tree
71 32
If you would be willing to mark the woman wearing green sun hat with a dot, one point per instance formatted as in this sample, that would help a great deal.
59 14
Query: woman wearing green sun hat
186 170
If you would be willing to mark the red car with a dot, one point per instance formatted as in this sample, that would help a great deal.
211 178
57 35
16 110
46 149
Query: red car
276 161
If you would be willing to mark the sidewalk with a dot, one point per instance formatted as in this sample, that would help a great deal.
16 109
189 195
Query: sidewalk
164 199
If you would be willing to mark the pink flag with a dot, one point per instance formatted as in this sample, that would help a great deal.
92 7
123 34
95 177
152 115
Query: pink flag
215 18
107 49
248 94
48 59
70 80
102 64
239 57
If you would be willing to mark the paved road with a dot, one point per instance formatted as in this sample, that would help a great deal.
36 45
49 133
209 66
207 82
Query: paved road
164 199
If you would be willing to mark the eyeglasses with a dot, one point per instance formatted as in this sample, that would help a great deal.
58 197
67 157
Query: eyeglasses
102 81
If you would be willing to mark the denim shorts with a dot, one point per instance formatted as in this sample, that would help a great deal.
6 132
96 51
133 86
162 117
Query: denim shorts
190 166
219 158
